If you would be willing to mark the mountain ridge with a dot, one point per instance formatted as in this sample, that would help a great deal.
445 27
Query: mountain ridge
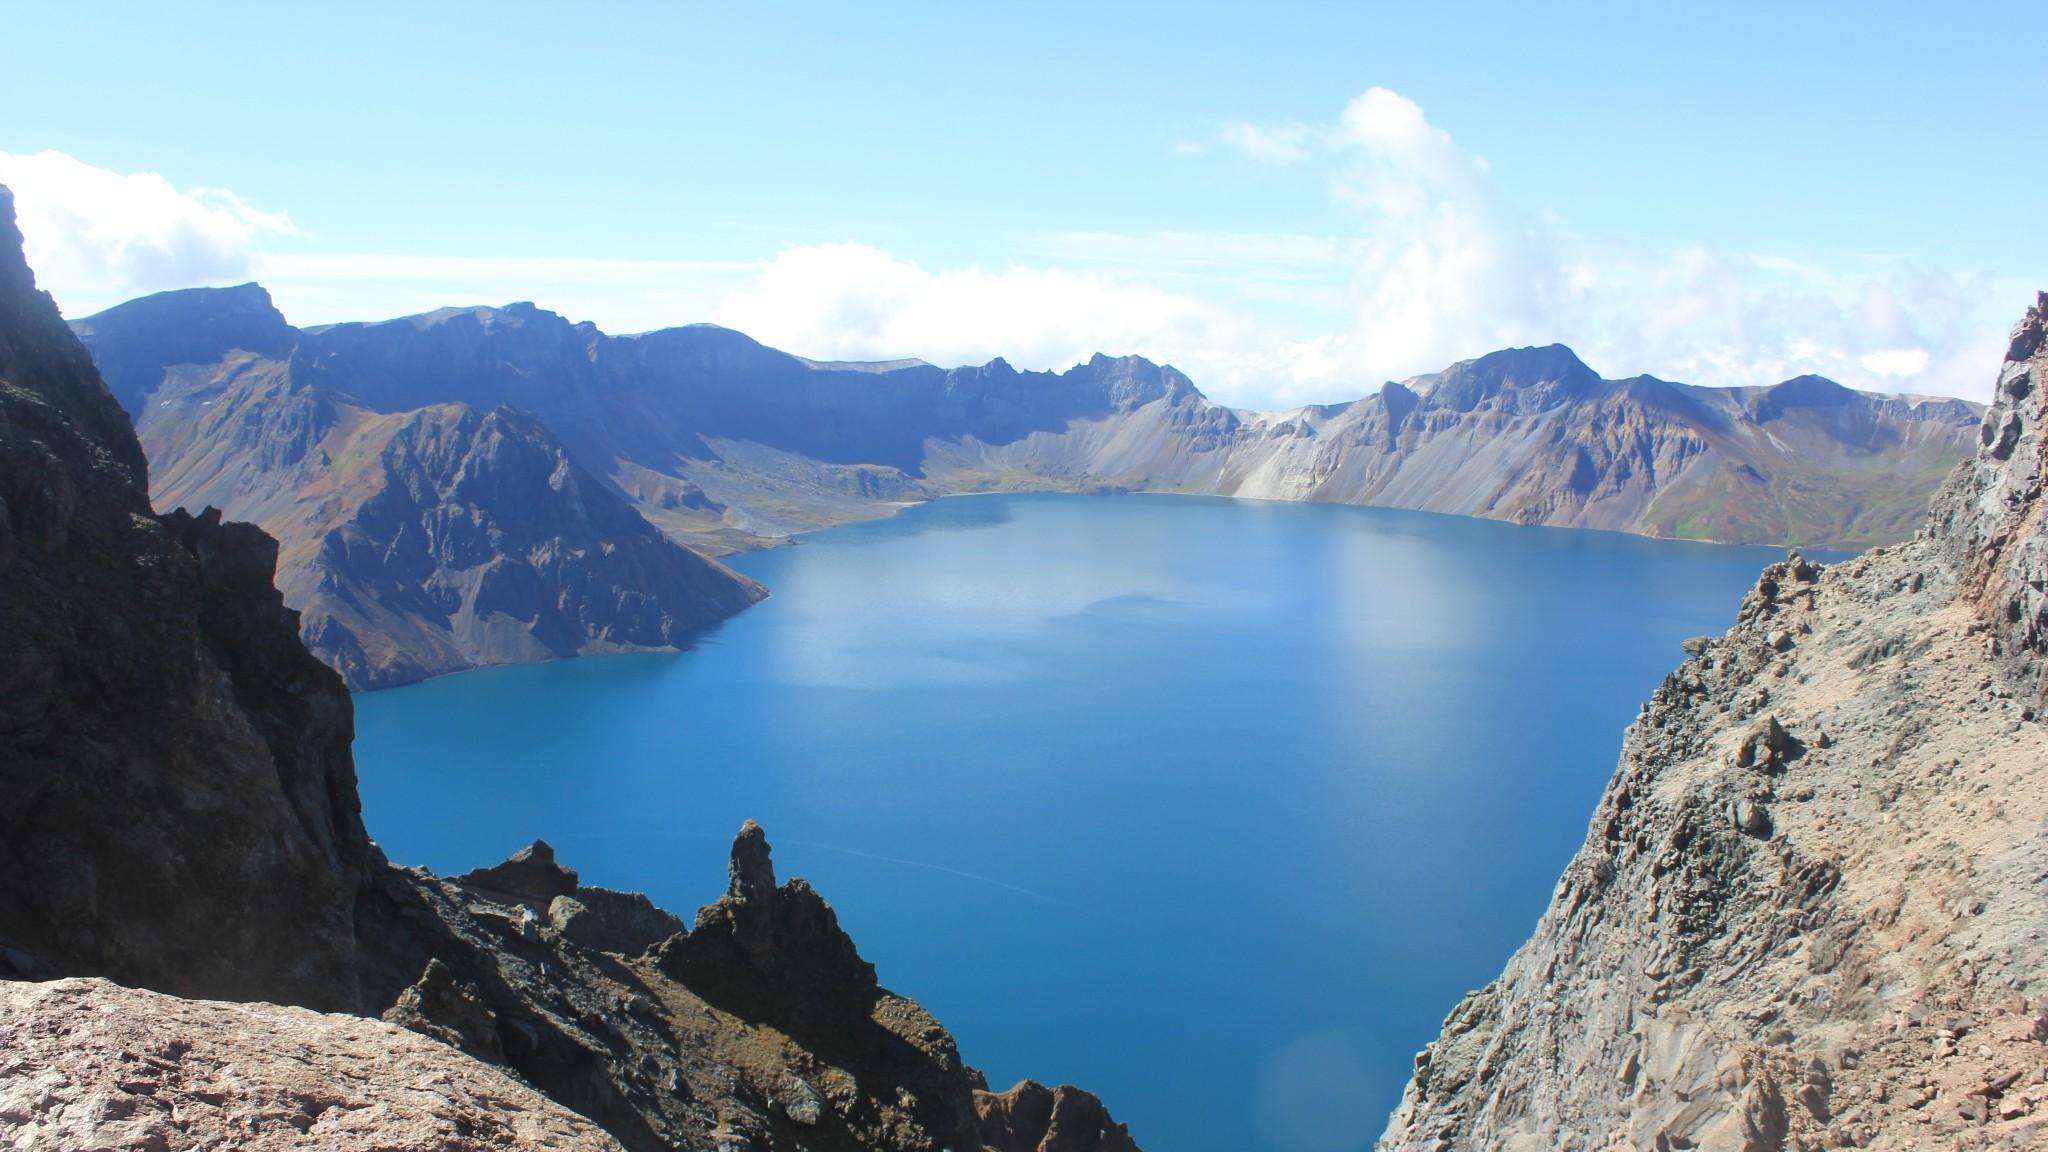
652 413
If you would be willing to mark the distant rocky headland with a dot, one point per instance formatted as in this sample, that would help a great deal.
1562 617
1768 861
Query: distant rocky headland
482 485
201 947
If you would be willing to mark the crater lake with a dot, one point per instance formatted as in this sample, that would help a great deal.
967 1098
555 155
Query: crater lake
1215 807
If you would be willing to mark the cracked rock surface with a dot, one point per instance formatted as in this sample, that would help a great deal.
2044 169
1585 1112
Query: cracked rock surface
85 1063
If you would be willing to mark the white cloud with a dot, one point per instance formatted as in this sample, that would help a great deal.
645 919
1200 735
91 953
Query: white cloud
852 301
1438 267
1895 362
1444 268
97 237
1273 143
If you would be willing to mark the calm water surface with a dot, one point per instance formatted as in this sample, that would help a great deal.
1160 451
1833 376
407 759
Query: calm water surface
1213 807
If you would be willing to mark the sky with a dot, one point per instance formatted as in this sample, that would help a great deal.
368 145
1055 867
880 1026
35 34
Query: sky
1291 202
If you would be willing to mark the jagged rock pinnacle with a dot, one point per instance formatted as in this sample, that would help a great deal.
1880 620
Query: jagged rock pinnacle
751 876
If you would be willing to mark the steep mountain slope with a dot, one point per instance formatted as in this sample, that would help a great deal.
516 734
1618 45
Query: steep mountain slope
412 543
1809 909
178 811
177 802
724 443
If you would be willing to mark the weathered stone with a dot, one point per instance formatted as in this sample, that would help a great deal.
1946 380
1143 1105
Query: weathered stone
778 948
801 1103
1815 1099
696 1041
626 923
91 1064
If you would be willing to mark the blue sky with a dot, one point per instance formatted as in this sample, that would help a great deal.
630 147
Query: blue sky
1294 202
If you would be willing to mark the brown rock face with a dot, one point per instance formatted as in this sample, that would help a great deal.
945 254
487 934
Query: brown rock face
1033 1118
177 802
1807 913
90 1064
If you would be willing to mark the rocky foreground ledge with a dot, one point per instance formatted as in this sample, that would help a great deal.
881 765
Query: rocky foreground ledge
90 1064
547 1014
1810 910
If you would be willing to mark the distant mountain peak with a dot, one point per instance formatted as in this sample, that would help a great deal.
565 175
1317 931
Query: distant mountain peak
1811 390
247 298
486 315
1468 383
134 341
1801 392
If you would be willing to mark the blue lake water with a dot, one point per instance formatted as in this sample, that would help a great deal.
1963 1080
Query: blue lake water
1213 807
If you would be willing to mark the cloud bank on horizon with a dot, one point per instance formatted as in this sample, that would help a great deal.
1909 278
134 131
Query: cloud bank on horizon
1439 267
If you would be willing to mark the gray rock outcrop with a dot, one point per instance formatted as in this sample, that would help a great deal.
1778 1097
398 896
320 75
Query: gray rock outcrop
1808 912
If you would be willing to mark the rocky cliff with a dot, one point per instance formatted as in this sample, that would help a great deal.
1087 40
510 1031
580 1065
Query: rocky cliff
1809 910
178 812
177 801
